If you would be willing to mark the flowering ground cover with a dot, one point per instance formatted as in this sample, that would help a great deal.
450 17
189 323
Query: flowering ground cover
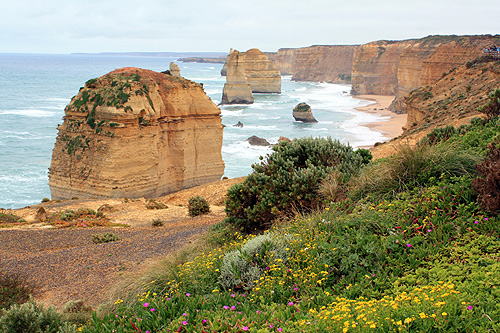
420 255
421 260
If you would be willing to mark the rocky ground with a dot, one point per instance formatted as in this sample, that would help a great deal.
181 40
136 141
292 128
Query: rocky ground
67 265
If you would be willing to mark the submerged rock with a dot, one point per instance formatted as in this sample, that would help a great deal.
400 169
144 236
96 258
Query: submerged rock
136 133
302 112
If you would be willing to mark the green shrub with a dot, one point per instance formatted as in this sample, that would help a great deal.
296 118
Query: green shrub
413 167
288 179
439 134
157 223
33 317
365 154
106 237
45 200
14 289
198 206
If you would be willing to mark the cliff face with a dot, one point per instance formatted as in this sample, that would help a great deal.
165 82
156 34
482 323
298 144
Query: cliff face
397 68
134 133
375 68
285 61
323 63
453 99
236 90
454 96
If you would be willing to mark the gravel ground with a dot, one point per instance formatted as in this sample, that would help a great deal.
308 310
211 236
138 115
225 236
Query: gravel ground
67 265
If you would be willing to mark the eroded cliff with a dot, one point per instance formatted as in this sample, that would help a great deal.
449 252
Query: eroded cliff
321 63
134 133
454 96
285 61
398 67
453 99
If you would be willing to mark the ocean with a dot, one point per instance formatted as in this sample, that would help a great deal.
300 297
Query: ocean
34 90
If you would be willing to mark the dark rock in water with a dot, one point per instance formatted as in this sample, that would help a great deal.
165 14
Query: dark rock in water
256 141
239 124
302 112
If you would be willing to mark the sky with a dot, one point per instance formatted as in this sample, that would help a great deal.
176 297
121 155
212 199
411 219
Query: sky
68 26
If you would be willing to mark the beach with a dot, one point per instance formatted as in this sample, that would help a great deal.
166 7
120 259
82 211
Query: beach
392 124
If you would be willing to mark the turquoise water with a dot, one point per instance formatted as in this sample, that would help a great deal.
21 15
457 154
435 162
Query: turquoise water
34 89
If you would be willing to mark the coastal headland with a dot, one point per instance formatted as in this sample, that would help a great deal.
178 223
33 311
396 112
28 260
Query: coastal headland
416 85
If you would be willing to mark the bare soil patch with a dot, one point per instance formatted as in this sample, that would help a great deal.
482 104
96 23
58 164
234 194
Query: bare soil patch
67 265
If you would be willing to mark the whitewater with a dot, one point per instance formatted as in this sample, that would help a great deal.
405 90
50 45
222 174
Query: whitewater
34 90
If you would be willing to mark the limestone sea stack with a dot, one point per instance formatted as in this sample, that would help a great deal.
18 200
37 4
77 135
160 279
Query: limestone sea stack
237 89
175 70
136 133
302 112
261 72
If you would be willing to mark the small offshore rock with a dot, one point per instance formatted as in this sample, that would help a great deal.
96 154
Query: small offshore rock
256 141
239 124
302 112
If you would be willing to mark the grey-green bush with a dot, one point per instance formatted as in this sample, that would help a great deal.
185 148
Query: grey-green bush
106 237
240 268
33 317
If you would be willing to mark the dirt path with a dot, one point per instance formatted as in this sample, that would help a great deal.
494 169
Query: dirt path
67 265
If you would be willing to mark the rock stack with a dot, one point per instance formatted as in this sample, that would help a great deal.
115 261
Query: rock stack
237 89
302 112
136 133
261 72
175 70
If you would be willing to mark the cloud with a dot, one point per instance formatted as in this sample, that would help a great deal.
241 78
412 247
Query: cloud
156 25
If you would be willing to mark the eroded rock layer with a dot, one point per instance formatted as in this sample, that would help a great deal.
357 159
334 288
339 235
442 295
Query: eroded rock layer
134 133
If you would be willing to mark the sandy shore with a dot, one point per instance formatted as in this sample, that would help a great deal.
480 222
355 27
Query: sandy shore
392 125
